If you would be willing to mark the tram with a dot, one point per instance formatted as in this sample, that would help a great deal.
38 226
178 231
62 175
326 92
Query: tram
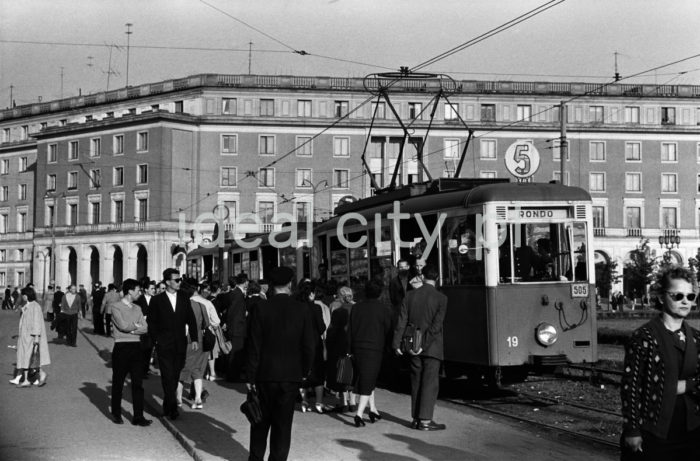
515 262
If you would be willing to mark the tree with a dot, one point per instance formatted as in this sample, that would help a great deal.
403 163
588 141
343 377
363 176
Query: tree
639 270
606 276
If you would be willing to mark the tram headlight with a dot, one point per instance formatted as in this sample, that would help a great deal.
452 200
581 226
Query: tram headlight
546 334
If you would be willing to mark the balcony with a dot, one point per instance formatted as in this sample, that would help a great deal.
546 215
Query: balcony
8 236
599 232
634 232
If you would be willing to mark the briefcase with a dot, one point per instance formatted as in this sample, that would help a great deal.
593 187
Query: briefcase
345 372
251 408
412 339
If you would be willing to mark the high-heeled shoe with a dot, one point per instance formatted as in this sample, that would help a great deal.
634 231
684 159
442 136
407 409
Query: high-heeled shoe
359 422
305 407
374 416
319 408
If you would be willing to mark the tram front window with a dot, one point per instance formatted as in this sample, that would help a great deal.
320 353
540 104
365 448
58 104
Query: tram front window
463 262
543 252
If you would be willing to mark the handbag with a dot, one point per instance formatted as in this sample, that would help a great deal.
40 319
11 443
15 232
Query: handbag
224 345
208 340
345 371
412 339
251 408
35 358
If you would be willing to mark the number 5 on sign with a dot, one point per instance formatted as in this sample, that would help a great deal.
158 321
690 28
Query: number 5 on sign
512 341
522 159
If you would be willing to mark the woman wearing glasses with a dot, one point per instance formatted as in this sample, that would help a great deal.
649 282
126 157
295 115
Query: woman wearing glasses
660 400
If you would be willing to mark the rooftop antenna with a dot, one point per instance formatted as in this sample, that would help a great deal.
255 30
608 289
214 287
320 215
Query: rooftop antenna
250 55
128 37
617 74
61 82
109 71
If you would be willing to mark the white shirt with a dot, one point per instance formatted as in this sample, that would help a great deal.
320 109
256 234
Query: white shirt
70 297
173 299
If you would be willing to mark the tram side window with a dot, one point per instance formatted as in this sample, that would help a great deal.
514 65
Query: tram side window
381 261
579 236
463 262
540 252
417 245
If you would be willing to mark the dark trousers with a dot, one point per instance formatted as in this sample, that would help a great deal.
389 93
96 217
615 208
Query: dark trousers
127 358
71 324
277 401
425 383
236 359
97 321
170 362
654 448
108 324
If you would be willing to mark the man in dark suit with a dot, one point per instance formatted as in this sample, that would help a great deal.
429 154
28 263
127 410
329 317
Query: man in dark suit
398 286
148 287
58 323
425 308
98 294
236 326
168 314
280 353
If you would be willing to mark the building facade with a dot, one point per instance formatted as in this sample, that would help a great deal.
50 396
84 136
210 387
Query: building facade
116 184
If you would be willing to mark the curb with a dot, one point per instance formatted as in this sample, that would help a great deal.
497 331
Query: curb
189 448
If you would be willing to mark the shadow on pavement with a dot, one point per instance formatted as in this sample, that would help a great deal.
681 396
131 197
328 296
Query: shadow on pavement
210 435
395 419
100 398
433 451
369 453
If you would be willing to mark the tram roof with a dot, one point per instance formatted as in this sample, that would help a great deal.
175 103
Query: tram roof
436 201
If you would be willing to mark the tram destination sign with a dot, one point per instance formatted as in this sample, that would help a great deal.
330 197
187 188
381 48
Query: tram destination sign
515 214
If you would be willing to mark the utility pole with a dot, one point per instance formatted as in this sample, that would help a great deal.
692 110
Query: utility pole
61 82
12 87
250 55
563 143
128 40
617 74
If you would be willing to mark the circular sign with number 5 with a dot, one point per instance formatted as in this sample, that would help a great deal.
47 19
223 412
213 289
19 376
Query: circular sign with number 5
522 159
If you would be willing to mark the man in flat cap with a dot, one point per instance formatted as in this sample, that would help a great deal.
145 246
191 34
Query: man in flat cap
280 353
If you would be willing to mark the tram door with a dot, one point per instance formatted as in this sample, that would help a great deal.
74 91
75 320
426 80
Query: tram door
411 232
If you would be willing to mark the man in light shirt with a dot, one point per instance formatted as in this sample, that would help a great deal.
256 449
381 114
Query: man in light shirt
70 306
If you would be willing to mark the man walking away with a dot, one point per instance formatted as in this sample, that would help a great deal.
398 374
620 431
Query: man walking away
236 327
425 308
70 306
83 299
279 355
110 298
98 295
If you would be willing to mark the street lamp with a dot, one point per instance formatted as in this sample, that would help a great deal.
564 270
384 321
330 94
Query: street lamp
668 241
314 188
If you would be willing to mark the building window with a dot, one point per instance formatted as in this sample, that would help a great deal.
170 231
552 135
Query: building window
266 177
22 192
488 112
231 207
95 212
596 182
179 107
488 149
411 178
3 256
340 179
72 214
698 183
669 217
415 110
72 180
266 211
118 176
304 177
228 176
266 145
669 152
229 143
53 149
22 164
5 166
596 151
341 146
3 193
21 221
379 108
301 209
633 151
95 147
304 146
142 141
267 107
303 108
598 216
632 114
451 111
95 178
697 150
141 209
118 144
142 174
669 182
50 182
487 174
229 106
49 216
62 122
118 210
5 135
24 133
556 176
524 112
341 108
595 114
73 150
633 182
633 217
3 223
451 148
668 115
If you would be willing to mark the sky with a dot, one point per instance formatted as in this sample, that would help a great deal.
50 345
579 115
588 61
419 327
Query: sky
572 41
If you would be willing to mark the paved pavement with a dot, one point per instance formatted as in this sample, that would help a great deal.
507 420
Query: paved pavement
220 431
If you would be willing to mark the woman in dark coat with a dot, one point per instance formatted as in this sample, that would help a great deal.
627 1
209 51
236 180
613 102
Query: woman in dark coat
306 294
370 325
337 345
